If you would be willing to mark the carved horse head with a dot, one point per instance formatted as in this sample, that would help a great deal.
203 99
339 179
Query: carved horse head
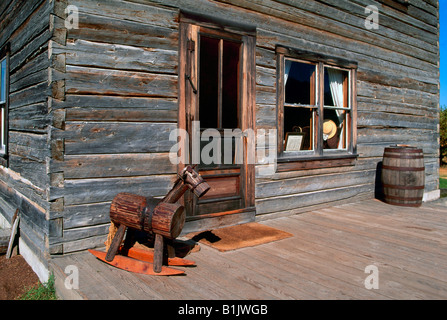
194 181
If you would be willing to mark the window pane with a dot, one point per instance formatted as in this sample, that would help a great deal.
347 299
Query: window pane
335 90
334 129
230 84
2 139
224 149
3 81
299 80
299 120
208 87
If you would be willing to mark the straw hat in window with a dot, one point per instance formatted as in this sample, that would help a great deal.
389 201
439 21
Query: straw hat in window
329 129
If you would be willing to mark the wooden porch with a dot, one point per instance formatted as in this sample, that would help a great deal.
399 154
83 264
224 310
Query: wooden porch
325 259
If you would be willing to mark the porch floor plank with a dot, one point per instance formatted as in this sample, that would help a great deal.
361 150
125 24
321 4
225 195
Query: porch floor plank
325 259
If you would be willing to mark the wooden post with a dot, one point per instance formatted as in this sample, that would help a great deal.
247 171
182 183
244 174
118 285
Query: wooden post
116 242
158 252
15 222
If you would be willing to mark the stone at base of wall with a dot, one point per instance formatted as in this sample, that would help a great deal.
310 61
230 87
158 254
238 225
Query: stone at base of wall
432 195
38 267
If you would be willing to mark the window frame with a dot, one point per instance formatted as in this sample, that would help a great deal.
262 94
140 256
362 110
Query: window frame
4 108
318 157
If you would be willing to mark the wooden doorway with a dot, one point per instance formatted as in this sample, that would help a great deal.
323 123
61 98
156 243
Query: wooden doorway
216 108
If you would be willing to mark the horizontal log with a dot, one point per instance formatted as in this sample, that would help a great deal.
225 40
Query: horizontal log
31 212
265 76
115 102
86 215
33 48
116 56
31 118
34 171
84 191
265 57
399 81
395 120
265 116
28 81
85 232
80 80
379 134
114 165
265 95
367 104
108 138
291 202
120 31
143 13
83 244
30 95
29 145
276 188
118 114
381 92
376 149
37 63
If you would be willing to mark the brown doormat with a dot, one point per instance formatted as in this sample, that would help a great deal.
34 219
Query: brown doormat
240 236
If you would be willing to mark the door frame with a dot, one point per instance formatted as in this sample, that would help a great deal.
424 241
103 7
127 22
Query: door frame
189 29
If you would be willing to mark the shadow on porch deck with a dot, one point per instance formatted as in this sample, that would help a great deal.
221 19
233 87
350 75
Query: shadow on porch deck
325 259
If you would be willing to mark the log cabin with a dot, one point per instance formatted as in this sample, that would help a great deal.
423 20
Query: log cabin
91 91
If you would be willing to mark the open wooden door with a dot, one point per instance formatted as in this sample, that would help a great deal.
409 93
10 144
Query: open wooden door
217 99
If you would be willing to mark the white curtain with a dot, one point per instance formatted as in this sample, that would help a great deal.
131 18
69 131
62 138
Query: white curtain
336 84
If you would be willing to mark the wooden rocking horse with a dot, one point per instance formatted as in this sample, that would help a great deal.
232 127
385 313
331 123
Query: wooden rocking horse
163 218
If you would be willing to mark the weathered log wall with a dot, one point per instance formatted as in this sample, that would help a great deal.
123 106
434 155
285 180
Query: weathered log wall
92 107
26 27
117 110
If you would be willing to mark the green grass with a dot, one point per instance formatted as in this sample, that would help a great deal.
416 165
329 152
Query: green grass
442 183
44 291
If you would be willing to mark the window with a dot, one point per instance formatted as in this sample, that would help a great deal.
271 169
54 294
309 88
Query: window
316 106
219 82
219 72
4 92
300 105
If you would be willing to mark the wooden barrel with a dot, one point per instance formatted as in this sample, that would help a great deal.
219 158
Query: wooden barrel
403 175
148 214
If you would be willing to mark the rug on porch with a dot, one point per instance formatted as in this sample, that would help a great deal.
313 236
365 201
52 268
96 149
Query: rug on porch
240 236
